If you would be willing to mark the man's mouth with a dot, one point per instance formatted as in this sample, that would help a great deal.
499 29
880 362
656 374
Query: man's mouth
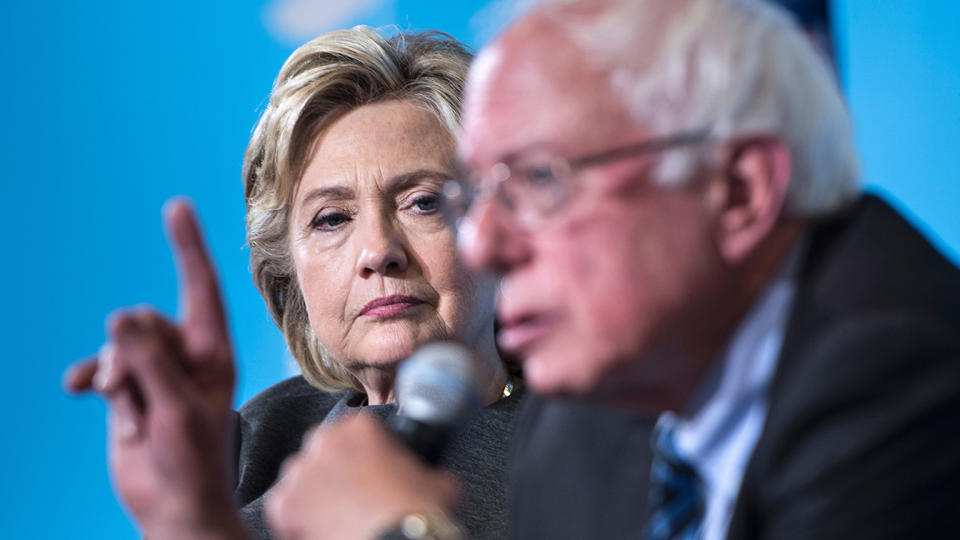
519 332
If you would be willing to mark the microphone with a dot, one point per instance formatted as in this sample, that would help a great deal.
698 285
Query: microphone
437 389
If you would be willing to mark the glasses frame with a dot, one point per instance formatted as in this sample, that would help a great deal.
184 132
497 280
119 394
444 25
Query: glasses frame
466 195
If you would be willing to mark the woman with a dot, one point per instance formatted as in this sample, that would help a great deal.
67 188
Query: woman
356 260
353 253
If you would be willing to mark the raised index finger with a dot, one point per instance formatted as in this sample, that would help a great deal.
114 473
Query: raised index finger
201 308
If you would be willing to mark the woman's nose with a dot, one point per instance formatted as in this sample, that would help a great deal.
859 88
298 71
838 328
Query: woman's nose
382 250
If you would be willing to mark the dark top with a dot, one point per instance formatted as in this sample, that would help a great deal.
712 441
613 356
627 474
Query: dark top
578 471
272 425
862 436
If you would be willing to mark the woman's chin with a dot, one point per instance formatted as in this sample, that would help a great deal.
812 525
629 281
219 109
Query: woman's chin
389 352
387 345
394 345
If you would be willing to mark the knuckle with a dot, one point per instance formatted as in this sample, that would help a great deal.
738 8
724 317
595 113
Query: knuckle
288 470
277 504
142 310
280 505
164 325
314 439
149 318
119 321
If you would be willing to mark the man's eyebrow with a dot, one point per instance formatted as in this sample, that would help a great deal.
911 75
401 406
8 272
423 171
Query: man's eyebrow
463 170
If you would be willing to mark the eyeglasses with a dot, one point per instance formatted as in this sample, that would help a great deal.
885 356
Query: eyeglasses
537 186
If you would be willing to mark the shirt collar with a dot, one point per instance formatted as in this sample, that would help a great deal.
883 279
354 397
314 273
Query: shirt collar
742 373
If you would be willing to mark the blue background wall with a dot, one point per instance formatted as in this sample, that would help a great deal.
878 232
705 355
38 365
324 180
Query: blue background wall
111 107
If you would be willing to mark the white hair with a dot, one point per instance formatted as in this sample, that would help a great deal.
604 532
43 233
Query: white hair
732 67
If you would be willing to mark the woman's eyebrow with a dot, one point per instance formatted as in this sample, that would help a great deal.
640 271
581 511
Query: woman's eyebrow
395 183
402 181
328 192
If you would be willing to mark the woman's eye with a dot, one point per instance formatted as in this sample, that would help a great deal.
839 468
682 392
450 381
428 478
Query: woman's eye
329 221
426 204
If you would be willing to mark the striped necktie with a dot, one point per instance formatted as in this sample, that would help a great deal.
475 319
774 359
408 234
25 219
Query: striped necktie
676 493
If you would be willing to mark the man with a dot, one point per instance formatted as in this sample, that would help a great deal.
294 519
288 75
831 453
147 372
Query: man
668 189
590 451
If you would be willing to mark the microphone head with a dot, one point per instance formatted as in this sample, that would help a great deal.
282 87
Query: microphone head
440 384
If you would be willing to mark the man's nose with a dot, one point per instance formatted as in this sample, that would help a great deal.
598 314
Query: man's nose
382 248
489 241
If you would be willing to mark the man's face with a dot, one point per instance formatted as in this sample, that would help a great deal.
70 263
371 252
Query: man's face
598 300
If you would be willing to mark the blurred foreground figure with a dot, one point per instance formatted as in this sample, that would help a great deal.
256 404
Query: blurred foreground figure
669 191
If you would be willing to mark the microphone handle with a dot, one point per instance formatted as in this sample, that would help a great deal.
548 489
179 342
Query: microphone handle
425 440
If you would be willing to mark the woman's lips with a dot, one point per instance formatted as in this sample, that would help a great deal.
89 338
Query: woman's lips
389 305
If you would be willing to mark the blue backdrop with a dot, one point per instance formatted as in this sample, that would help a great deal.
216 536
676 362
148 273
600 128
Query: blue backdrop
111 107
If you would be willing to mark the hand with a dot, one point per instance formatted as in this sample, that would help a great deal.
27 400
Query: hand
352 479
170 388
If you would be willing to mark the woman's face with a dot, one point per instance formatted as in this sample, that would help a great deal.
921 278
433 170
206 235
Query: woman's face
374 253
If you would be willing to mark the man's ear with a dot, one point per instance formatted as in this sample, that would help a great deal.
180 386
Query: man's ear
749 198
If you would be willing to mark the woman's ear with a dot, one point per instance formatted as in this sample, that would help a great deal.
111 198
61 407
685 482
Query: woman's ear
751 194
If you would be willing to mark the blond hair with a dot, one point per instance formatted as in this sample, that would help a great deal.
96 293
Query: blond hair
323 79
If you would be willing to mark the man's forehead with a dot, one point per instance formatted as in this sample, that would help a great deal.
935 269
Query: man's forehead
527 51
534 86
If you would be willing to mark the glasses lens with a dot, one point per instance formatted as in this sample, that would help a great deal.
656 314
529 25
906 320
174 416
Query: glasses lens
539 189
457 195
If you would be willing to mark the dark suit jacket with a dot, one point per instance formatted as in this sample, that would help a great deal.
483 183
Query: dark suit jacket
578 471
862 438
